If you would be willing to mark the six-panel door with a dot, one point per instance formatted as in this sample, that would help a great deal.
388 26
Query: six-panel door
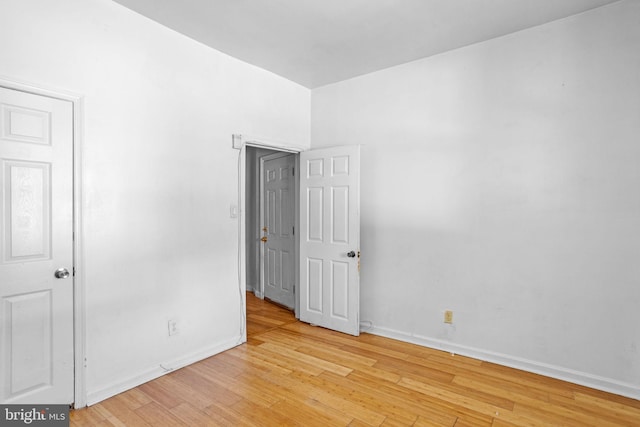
36 225
330 238
278 222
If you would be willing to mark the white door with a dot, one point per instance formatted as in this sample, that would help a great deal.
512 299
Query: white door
36 225
277 261
330 238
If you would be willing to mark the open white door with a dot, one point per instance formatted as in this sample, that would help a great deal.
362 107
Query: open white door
36 250
330 238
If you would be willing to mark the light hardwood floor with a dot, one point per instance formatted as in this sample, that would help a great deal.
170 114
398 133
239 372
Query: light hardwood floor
290 373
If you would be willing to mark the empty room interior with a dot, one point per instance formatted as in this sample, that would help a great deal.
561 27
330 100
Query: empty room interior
356 212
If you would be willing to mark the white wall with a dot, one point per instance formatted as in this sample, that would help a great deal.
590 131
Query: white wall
159 174
501 181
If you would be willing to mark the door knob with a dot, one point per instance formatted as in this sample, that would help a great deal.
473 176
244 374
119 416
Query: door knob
61 273
264 239
351 254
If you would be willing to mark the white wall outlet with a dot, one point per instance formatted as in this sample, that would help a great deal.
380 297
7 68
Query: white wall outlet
173 327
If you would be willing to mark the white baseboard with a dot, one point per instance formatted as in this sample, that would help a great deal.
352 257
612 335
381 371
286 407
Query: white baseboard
576 377
252 287
125 384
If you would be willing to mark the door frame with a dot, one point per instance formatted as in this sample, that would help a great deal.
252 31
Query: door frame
79 307
241 142
296 212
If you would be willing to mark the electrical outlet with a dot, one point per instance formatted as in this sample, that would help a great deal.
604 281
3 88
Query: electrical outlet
173 327
448 316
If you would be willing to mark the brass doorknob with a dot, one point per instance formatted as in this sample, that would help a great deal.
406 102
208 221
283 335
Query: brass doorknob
264 239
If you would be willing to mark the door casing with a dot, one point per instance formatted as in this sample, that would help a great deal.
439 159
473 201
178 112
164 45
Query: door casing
79 312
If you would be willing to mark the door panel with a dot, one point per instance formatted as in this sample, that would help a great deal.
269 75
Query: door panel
36 225
330 230
29 318
314 282
26 210
315 214
278 217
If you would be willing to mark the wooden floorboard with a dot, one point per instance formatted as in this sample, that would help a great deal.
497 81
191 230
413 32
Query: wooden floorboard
293 374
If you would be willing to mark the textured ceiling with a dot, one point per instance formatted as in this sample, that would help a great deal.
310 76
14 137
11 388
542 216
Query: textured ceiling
317 42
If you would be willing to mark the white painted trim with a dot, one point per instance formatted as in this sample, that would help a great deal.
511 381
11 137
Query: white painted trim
80 334
79 313
122 385
261 277
582 378
296 240
242 251
239 141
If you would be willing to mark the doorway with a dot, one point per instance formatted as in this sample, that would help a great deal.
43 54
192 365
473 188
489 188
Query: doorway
327 215
271 219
